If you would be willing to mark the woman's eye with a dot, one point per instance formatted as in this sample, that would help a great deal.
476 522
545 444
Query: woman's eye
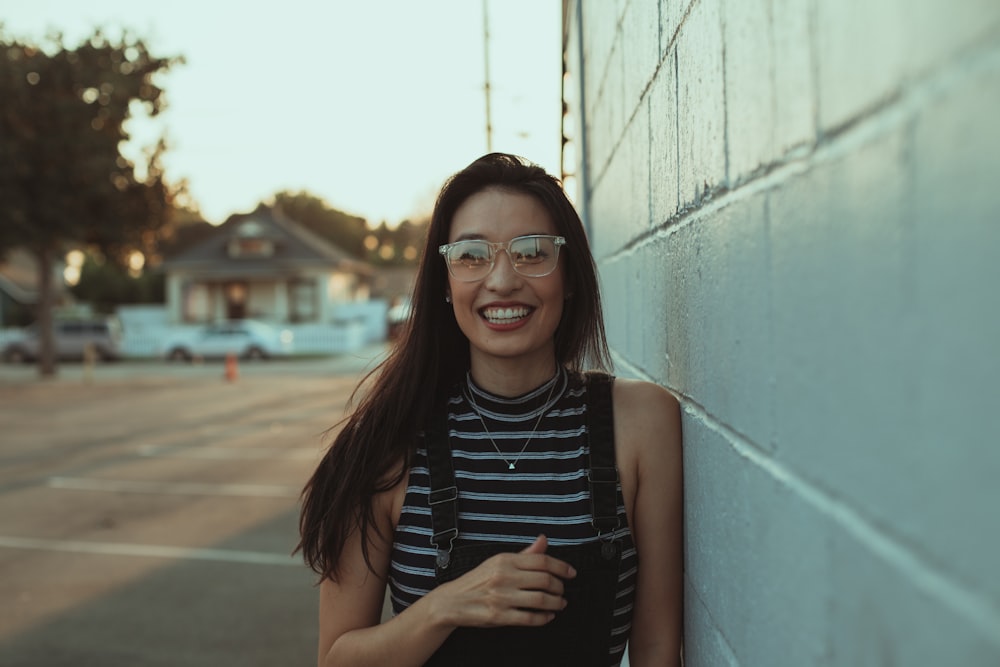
474 255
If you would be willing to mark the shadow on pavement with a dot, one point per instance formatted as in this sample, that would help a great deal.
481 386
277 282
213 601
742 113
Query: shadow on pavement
192 613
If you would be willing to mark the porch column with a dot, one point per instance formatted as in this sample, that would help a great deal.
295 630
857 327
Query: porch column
175 299
218 300
324 307
281 300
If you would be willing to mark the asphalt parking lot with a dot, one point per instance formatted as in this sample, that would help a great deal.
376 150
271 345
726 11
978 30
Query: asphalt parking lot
148 511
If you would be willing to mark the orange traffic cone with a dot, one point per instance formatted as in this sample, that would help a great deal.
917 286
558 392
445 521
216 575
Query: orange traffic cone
232 370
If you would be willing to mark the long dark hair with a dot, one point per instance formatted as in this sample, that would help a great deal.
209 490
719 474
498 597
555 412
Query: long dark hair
371 453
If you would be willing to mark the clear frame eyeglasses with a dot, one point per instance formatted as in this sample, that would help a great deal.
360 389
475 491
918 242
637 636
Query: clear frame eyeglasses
532 256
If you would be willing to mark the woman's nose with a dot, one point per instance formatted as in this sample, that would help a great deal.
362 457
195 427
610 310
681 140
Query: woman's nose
502 276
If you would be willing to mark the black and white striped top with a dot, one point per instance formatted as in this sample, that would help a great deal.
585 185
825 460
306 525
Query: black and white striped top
547 492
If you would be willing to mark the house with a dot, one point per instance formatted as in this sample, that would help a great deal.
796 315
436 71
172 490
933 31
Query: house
262 265
19 287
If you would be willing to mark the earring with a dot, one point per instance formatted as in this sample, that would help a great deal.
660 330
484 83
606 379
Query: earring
447 298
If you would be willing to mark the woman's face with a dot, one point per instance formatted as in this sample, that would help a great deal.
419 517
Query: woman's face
506 316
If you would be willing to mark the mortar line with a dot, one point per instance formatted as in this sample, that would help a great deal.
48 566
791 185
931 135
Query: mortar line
920 572
716 628
877 124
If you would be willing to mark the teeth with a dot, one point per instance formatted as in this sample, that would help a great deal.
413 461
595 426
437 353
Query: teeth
499 315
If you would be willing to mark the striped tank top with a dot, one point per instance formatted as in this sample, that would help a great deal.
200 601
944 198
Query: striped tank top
546 492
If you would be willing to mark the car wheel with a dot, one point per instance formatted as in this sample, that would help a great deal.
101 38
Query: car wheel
178 354
255 354
15 355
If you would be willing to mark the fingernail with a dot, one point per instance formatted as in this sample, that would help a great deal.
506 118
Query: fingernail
572 571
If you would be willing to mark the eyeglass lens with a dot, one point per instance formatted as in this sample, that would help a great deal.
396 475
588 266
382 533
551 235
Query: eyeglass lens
532 256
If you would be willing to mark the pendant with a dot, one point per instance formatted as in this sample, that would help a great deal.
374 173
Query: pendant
510 466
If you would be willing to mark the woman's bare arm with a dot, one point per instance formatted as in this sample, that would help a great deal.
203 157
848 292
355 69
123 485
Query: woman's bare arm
648 433
509 589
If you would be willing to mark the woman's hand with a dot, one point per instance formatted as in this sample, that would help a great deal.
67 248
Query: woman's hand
524 588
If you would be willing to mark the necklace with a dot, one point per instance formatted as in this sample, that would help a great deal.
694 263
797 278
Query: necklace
511 465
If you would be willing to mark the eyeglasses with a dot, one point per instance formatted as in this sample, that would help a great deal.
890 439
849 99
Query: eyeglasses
531 256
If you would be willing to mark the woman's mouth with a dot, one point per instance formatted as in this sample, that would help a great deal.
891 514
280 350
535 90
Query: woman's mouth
507 315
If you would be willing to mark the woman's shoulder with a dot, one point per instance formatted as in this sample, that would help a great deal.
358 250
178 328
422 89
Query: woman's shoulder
388 502
632 399
642 396
646 415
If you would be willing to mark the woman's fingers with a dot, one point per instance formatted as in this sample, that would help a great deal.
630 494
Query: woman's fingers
539 601
519 588
539 560
542 581
542 563
539 546
520 608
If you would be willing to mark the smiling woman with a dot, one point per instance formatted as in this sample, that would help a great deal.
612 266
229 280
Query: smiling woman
506 315
522 509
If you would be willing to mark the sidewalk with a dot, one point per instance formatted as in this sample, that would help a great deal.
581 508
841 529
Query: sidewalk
143 369
147 515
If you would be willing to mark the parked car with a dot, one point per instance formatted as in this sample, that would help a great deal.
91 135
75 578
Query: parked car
397 315
71 338
247 339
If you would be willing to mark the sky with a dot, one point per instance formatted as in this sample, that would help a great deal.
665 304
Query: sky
369 104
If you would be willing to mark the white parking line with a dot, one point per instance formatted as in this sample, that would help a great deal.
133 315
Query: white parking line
150 551
175 488
228 453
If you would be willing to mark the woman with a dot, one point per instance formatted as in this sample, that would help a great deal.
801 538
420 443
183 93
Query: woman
521 512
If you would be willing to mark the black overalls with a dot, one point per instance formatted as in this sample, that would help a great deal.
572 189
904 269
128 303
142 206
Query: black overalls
579 636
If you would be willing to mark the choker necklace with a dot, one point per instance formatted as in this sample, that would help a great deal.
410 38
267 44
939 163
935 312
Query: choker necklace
511 465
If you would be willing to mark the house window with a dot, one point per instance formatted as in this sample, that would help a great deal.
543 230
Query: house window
303 304
338 288
197 303
250 241
249 248
236 301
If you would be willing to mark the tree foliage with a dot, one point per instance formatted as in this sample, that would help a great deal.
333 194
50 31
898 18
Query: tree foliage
106 285
343 230
63 178
186 228
381 245
400 245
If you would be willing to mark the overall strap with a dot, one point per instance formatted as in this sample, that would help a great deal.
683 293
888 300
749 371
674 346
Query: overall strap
443 496
603 474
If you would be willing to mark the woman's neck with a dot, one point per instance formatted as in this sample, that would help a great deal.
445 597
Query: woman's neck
510 378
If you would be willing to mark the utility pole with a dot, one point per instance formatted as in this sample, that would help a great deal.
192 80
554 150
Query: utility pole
486 87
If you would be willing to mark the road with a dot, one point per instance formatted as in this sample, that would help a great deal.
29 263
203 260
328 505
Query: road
148 511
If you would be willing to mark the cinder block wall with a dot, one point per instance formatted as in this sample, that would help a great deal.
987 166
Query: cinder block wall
795 207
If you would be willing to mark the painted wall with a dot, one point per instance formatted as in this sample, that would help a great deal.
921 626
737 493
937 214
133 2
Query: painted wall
795 207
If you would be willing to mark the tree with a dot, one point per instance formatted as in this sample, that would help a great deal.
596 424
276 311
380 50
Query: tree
343 230
187 227
64 181
106 285
397 246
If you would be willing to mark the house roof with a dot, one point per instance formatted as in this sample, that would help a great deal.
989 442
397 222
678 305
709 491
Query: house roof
19 276
295 247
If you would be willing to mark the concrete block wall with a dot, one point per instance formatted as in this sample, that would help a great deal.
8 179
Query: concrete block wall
795 209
